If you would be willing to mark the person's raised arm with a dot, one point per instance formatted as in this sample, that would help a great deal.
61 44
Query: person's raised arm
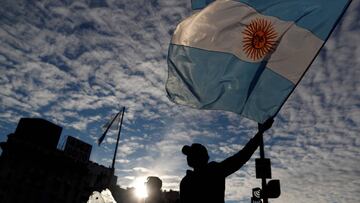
235 162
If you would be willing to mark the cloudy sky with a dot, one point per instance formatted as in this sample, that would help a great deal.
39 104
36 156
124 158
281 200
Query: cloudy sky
75 62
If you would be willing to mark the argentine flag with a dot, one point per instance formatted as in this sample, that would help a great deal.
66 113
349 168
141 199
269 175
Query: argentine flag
247 56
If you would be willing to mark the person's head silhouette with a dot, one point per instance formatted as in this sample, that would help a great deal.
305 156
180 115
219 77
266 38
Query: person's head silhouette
153 184
197 155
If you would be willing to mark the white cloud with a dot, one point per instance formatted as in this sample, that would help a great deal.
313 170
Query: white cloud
76 65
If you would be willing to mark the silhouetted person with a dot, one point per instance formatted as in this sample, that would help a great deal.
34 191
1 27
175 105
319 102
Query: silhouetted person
206 183
153 186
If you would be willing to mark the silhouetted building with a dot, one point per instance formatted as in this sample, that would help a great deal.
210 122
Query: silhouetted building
42 132
77 149
33 170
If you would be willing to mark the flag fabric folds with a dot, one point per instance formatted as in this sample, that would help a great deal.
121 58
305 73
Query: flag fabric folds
247 56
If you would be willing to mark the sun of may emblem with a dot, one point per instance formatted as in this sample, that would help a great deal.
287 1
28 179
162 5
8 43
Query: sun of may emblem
259 38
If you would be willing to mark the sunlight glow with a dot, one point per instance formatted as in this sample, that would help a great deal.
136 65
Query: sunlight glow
140 188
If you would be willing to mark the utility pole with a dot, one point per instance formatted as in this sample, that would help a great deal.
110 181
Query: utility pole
269 189
262 158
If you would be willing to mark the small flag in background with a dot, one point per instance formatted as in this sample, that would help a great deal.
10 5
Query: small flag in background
247 56
116 122
113 124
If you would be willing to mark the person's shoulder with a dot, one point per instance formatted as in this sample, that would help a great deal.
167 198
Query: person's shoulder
213 165
189 174
217 168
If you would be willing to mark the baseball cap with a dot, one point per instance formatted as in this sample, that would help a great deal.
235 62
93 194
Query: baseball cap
195 149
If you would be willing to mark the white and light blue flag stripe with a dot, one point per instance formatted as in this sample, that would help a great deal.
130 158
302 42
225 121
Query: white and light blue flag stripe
247 56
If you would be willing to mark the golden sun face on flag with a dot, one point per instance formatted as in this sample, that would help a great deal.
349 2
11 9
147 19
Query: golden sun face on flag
259 38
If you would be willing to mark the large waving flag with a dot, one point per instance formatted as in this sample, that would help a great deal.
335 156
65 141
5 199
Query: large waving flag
247 56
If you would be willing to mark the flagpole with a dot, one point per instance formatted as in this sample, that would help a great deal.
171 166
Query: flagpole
118 138
326 39
262 156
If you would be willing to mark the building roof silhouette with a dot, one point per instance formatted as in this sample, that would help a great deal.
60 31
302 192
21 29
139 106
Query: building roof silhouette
32 169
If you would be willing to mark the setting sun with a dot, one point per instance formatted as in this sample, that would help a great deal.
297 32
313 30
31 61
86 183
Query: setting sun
140 188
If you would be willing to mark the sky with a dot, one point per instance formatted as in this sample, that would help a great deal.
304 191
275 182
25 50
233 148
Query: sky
76 63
